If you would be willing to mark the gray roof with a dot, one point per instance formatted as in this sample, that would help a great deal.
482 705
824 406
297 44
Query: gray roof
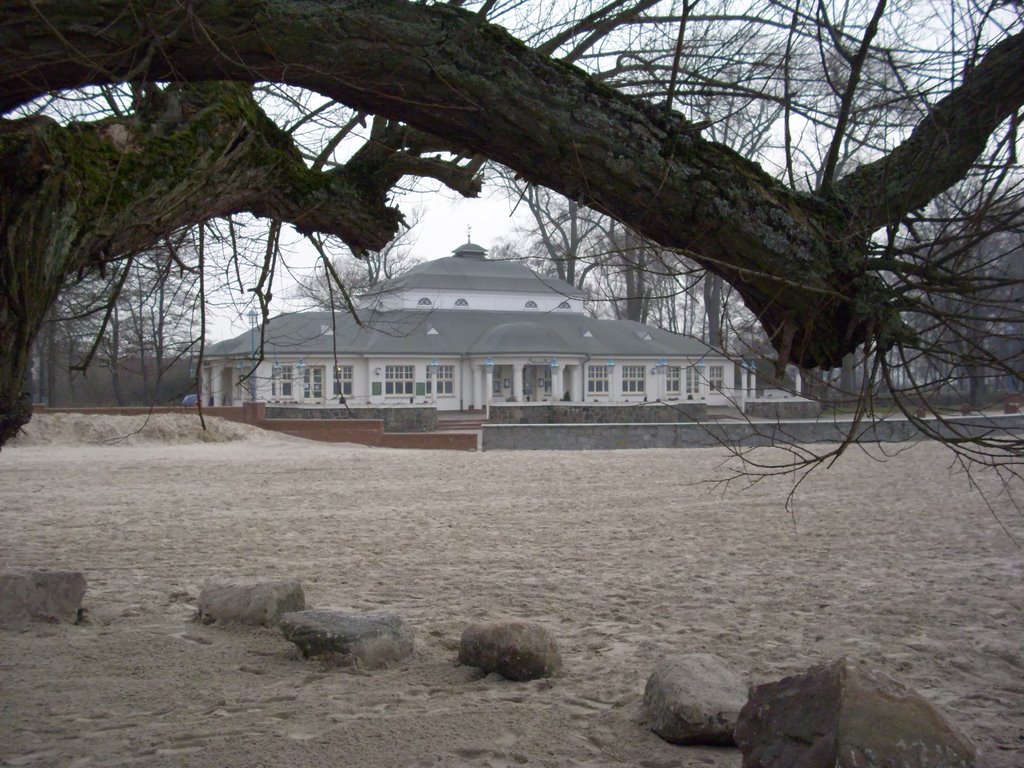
456 332
469 270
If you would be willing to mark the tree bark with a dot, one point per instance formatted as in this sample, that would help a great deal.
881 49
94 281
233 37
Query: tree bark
797 260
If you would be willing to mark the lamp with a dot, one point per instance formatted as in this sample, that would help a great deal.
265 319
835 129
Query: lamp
610 363
489 364
253 315
554 364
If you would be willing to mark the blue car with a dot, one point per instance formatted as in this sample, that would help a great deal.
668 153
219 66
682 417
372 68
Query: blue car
190 400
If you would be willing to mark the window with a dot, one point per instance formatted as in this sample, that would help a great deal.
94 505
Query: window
398 379
531 304
634 378
424 302
343 380
692 381
313 383
461 303
716 377
281 381
597 379
445 379
672 379
563 305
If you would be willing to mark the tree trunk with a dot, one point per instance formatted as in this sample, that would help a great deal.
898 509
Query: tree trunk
713 308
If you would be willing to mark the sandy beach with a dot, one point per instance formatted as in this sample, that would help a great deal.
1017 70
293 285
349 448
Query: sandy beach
626 556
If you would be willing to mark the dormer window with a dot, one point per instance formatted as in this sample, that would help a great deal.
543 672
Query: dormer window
425 302
461 303
531 304
563 305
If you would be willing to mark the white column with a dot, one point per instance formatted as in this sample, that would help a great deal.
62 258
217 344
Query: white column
517 382
797 388
474 389
614 388
488 386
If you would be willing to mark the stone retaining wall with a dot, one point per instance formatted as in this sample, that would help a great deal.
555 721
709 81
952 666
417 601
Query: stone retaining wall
583 413
784 409
403 419
597 437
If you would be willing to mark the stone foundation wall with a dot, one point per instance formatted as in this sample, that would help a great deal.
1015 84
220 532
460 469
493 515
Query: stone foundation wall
598 437
583 413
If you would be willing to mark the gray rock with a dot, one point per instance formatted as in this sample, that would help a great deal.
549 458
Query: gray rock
840 716
372 639
254 602
38 594
694 698
517 650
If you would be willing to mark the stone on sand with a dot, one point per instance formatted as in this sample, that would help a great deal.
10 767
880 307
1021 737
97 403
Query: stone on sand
840 716
250 602
371 639
39 594
517 650
694 698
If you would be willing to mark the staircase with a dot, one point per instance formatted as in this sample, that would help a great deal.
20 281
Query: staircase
460 423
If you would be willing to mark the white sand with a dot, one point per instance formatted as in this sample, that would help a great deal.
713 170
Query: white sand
898 564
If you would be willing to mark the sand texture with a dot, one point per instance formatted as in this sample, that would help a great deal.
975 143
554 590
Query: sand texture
624 555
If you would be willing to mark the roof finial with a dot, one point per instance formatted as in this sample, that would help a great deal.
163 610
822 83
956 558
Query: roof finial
469 233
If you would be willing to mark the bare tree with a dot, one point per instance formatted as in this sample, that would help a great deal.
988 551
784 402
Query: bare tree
809 249
356 275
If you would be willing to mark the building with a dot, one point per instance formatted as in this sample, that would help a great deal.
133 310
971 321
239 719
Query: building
460 333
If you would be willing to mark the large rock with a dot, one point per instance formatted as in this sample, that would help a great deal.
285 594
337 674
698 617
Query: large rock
253 602
372 639
694 698
839 716
517 650
38 594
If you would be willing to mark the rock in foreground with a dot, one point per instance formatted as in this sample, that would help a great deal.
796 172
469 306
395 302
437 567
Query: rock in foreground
514 649
694 698
839 716
256 602
38 594
372 639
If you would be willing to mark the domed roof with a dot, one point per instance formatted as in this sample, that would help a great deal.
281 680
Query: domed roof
469 269
470 251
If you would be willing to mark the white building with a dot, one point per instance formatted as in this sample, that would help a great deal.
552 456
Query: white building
462 332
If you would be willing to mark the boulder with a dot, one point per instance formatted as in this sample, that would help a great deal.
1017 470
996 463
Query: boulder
252 602
38 594
694 698
517 650
840 716
371 639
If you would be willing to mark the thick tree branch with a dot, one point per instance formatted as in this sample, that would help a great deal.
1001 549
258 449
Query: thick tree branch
944 145
551 123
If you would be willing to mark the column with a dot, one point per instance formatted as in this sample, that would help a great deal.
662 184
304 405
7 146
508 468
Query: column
614 388
474 389
517 382
488 386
